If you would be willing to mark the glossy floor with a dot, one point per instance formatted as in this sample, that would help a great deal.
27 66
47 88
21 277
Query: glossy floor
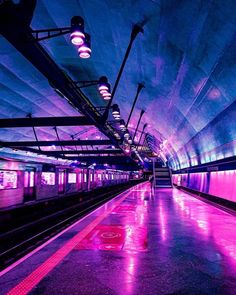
141 242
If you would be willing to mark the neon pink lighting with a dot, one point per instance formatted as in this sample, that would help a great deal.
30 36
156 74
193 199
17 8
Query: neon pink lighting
217 183
103 88
84 52
214 93
103 92
223 184
108 97
106 94
77 38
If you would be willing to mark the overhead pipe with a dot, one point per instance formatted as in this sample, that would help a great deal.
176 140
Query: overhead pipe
140 87
137 28
58 138
144 127
45 121
35 134
54 142
73 138
140 117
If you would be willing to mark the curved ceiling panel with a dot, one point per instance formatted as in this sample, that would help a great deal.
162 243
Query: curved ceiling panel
186 57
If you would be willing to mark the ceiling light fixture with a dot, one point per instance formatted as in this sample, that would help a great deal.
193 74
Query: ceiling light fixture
85 49
130 141
115 110
77 35
104 88
122 124
126 134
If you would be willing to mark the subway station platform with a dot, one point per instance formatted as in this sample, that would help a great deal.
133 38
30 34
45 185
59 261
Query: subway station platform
141 242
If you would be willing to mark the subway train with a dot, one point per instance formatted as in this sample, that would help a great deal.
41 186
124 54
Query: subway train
22 182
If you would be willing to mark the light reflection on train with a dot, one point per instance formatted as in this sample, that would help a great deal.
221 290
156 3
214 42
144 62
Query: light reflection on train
24 182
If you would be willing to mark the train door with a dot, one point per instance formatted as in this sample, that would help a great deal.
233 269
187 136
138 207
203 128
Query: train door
91 179
99 178
80 180
85 184
61 182
29 185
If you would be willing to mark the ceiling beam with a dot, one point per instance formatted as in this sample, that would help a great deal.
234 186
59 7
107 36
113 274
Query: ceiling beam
45 122
86 152
21 37
56 143
103 159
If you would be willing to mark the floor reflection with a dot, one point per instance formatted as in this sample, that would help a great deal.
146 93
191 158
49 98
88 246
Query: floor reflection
208 223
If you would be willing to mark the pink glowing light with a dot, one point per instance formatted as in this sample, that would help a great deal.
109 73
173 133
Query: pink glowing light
107 97
223 184
77 38
103 88
219 183
84 52
163 221
214 93
106 93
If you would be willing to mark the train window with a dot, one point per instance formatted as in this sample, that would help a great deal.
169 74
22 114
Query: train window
71 177
8 179
26 179
91 177
29 179
48 178
85 177
112 176
80 177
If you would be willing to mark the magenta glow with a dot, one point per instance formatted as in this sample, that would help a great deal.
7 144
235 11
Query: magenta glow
84 52
77 38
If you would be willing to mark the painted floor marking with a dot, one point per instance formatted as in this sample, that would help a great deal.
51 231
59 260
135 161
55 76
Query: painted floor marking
115 238
27 284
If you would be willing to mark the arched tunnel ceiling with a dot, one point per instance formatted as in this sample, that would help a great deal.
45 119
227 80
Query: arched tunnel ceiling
186 57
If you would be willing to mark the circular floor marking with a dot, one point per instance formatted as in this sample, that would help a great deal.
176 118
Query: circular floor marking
110 235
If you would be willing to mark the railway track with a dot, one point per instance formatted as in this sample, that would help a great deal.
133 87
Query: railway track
19 241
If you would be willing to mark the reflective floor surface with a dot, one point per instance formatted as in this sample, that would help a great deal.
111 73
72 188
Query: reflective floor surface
141 242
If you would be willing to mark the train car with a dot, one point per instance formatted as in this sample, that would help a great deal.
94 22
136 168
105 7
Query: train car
22 182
